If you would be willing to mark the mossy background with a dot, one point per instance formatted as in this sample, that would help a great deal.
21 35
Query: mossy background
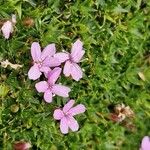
115 34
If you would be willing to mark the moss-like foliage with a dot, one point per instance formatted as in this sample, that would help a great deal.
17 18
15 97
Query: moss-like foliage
116 70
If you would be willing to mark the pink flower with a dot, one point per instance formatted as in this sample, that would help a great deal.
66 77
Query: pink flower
42 60
7 27
21 146
71 67
145 143
50 87
66 116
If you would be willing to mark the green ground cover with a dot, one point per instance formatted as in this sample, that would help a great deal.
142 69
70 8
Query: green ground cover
116 67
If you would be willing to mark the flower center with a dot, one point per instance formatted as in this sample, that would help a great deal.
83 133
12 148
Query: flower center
50 86
66 114
39 63
70 58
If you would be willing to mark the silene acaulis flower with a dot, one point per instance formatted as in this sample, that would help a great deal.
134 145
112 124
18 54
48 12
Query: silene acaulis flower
8 27
66 116
145 145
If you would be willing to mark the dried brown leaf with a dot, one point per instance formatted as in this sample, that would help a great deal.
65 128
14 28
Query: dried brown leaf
6 63
141 75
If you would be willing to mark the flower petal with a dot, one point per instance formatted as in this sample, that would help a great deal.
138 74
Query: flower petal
34 72
73 124
7 29
48 96
49 50
41 86
78 56
64 125
58 114
51 62
54 75
76 72
45 70
76 51
36 51
145 143
68 106
62 57
67 68
61 90
77 110
54 62
46 61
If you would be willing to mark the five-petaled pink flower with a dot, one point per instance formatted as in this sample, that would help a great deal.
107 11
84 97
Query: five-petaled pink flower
50 87
42 61
71 67
7 27
145 145
66 116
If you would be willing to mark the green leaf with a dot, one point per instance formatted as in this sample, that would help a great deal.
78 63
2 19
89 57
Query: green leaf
3 90
18 8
